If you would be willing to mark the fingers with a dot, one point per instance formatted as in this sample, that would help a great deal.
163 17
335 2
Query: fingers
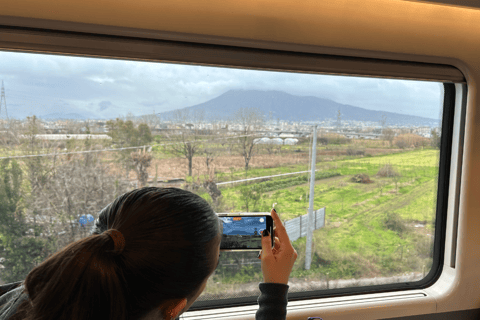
266 244
276 244
279 227
286 245
276 249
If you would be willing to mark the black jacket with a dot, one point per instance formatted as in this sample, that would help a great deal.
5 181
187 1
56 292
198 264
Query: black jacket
272 300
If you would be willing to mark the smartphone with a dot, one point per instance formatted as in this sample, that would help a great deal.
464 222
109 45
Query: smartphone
243 231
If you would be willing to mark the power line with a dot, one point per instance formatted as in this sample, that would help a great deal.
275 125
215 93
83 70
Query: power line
114 149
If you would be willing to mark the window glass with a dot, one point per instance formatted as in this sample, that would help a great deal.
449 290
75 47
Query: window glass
77 132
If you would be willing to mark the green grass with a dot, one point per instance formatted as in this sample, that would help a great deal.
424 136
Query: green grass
355 241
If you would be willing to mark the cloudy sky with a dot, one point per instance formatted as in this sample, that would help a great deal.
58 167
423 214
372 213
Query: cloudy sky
106 88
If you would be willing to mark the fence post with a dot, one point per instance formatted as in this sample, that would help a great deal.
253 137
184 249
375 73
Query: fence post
300 226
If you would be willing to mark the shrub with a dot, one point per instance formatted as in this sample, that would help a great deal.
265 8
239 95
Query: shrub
322 141
394 222
332 138
354 152
303 140
435 139
410 140
361 178
387 171
250 195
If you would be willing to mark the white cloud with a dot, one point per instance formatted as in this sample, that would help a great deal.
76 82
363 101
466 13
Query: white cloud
39 83
100 80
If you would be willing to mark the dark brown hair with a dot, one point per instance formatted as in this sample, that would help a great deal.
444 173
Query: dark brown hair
165 257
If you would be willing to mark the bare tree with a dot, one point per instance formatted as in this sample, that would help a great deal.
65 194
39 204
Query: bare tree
250 119
269 147
77 187
396 178
388 134
74 127
152 120
38 168
125 134
231 144
381 185
10 133
185 139
435 139
210 152
141 162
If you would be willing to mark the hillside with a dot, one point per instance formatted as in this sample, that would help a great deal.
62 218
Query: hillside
284 106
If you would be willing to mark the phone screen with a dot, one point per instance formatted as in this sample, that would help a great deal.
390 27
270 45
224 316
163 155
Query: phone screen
242 232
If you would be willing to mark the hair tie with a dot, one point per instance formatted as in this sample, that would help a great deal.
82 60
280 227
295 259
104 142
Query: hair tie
118 240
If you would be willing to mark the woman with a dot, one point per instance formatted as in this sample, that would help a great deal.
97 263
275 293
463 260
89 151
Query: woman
150 255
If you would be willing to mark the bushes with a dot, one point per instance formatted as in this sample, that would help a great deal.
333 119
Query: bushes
410 140
394 222
332 138
250 195
387 171
361 178
435 139
354 152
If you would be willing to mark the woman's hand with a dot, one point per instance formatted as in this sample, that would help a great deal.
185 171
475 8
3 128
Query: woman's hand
277 262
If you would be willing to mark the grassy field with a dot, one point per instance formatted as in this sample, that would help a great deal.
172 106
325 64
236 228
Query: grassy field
370 229
382 228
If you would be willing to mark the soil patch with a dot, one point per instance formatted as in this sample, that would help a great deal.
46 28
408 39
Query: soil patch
178 167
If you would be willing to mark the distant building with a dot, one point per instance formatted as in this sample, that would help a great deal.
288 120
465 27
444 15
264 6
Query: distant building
290 141
277 141
69 136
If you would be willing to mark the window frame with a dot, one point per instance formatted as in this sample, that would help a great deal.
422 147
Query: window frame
80 43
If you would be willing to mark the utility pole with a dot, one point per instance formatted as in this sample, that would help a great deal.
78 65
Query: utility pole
3 108
308 250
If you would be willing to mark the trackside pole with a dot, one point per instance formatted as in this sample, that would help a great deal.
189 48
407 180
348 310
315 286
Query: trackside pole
308 251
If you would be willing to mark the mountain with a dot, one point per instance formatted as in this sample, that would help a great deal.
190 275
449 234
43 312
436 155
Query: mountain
284 106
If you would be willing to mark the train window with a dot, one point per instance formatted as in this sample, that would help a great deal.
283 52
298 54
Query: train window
76 132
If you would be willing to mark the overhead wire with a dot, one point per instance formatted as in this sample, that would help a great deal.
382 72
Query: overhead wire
115 149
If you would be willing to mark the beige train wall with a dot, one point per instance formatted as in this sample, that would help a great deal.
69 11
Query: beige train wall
388 29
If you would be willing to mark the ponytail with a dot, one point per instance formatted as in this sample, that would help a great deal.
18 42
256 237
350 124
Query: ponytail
146 247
